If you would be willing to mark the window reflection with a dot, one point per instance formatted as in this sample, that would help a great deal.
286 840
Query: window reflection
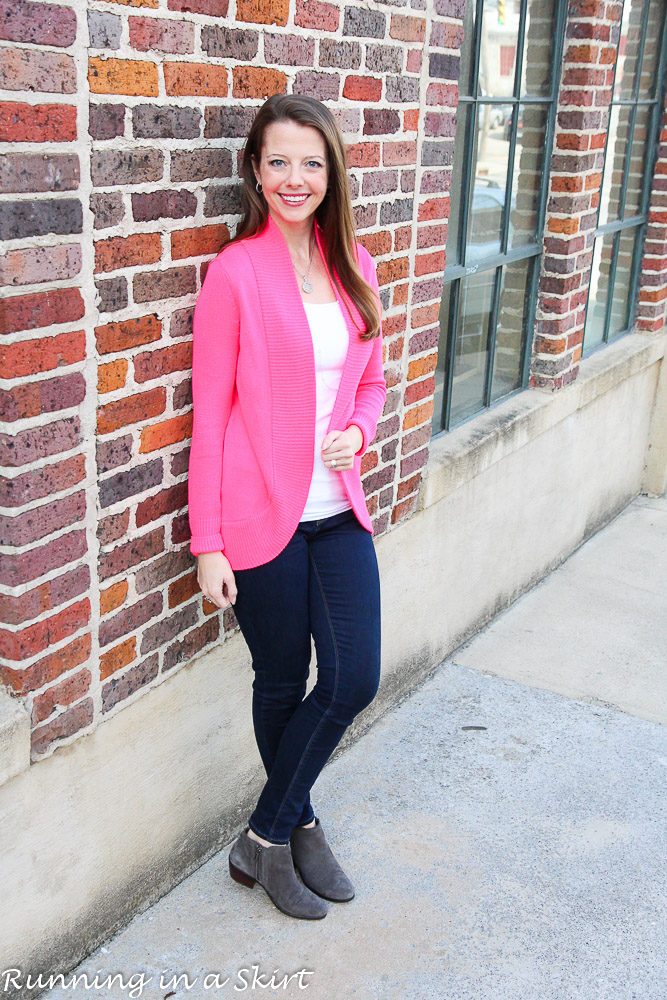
620 302
617 146
648 82
512 310
599 290
490 154
538 52
527 174
471 345
628 49
499 42
637 163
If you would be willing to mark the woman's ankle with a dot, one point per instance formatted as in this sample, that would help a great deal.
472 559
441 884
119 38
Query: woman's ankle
260 840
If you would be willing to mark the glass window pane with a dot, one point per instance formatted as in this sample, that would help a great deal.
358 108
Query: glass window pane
471 345
538 48
464 113
649 76
628 49
620 301
598 292
443 347
617 145
528 173
512 313
638 163
499 44
489 163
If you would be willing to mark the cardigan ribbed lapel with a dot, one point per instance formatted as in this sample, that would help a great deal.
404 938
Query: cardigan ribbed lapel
288 333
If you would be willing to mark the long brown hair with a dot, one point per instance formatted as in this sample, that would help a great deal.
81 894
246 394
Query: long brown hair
334 213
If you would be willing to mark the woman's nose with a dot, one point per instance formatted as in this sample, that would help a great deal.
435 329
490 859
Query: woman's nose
295 176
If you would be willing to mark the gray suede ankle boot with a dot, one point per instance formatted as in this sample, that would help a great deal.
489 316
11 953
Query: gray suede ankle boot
317 866
273 869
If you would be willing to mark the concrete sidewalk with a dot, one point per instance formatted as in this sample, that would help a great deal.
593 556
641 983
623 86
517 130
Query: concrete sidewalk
504 826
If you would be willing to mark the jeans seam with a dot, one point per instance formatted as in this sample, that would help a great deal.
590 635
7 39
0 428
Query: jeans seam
326 711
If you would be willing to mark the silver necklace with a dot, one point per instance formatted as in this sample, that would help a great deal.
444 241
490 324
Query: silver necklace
307 287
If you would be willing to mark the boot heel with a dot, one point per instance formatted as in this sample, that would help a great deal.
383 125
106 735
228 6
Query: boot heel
240 876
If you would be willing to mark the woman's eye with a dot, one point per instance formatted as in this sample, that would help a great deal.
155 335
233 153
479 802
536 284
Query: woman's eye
273 162
315 163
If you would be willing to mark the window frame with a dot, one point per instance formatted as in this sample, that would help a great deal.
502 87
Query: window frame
455 272
639 222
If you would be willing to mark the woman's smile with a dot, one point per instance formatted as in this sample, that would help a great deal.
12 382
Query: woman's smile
294 199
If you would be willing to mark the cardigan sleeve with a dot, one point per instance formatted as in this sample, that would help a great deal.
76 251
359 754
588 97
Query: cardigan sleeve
372 389
215 347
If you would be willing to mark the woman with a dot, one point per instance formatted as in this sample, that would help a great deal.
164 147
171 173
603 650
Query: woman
288 386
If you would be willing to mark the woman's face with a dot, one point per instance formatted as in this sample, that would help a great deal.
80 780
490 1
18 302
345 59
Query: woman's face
293 171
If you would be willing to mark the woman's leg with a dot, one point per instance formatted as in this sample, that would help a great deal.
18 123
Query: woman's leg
344 604
274 617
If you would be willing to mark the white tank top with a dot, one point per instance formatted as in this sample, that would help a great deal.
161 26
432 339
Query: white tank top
330 335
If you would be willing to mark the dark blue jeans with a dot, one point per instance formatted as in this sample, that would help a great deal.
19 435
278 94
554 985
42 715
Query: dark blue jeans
324 583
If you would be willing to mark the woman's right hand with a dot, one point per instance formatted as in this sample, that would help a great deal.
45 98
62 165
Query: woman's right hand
216 578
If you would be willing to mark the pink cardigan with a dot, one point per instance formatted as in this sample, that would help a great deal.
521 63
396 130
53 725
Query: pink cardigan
253 389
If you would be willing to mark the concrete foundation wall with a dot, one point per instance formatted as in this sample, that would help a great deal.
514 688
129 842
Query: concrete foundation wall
108 824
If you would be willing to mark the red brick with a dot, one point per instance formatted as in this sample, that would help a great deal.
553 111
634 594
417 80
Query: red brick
37 122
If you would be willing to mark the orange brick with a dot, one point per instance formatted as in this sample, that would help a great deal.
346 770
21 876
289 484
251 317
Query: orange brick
196 242
411 120
123 335
392 270
113 597
422 366
139 407
257 81
593 181
182 590
418 415
111 376
263 11
118 657
182 79
567 226
134 77
400 296
168 432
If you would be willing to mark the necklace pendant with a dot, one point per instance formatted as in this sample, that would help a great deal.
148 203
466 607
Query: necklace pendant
307 287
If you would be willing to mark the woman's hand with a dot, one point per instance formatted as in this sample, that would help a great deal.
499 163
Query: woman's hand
341 446
216 578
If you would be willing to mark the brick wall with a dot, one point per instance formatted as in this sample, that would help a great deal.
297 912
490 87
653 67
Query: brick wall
122 126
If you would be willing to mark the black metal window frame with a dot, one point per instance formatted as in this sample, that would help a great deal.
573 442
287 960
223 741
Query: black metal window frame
639 221
454 273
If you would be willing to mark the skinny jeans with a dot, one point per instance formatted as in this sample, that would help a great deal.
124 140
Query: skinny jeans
325 584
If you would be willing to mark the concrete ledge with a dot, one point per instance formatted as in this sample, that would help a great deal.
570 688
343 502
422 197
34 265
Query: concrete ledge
14 737
461 455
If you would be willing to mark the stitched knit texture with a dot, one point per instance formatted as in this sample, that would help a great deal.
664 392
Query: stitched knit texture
253 390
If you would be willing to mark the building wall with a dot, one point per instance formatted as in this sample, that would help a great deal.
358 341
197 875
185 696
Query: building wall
124 127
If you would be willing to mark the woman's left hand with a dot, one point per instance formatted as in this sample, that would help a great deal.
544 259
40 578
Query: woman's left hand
341 447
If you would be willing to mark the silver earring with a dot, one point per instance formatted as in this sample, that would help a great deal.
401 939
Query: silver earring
258 187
